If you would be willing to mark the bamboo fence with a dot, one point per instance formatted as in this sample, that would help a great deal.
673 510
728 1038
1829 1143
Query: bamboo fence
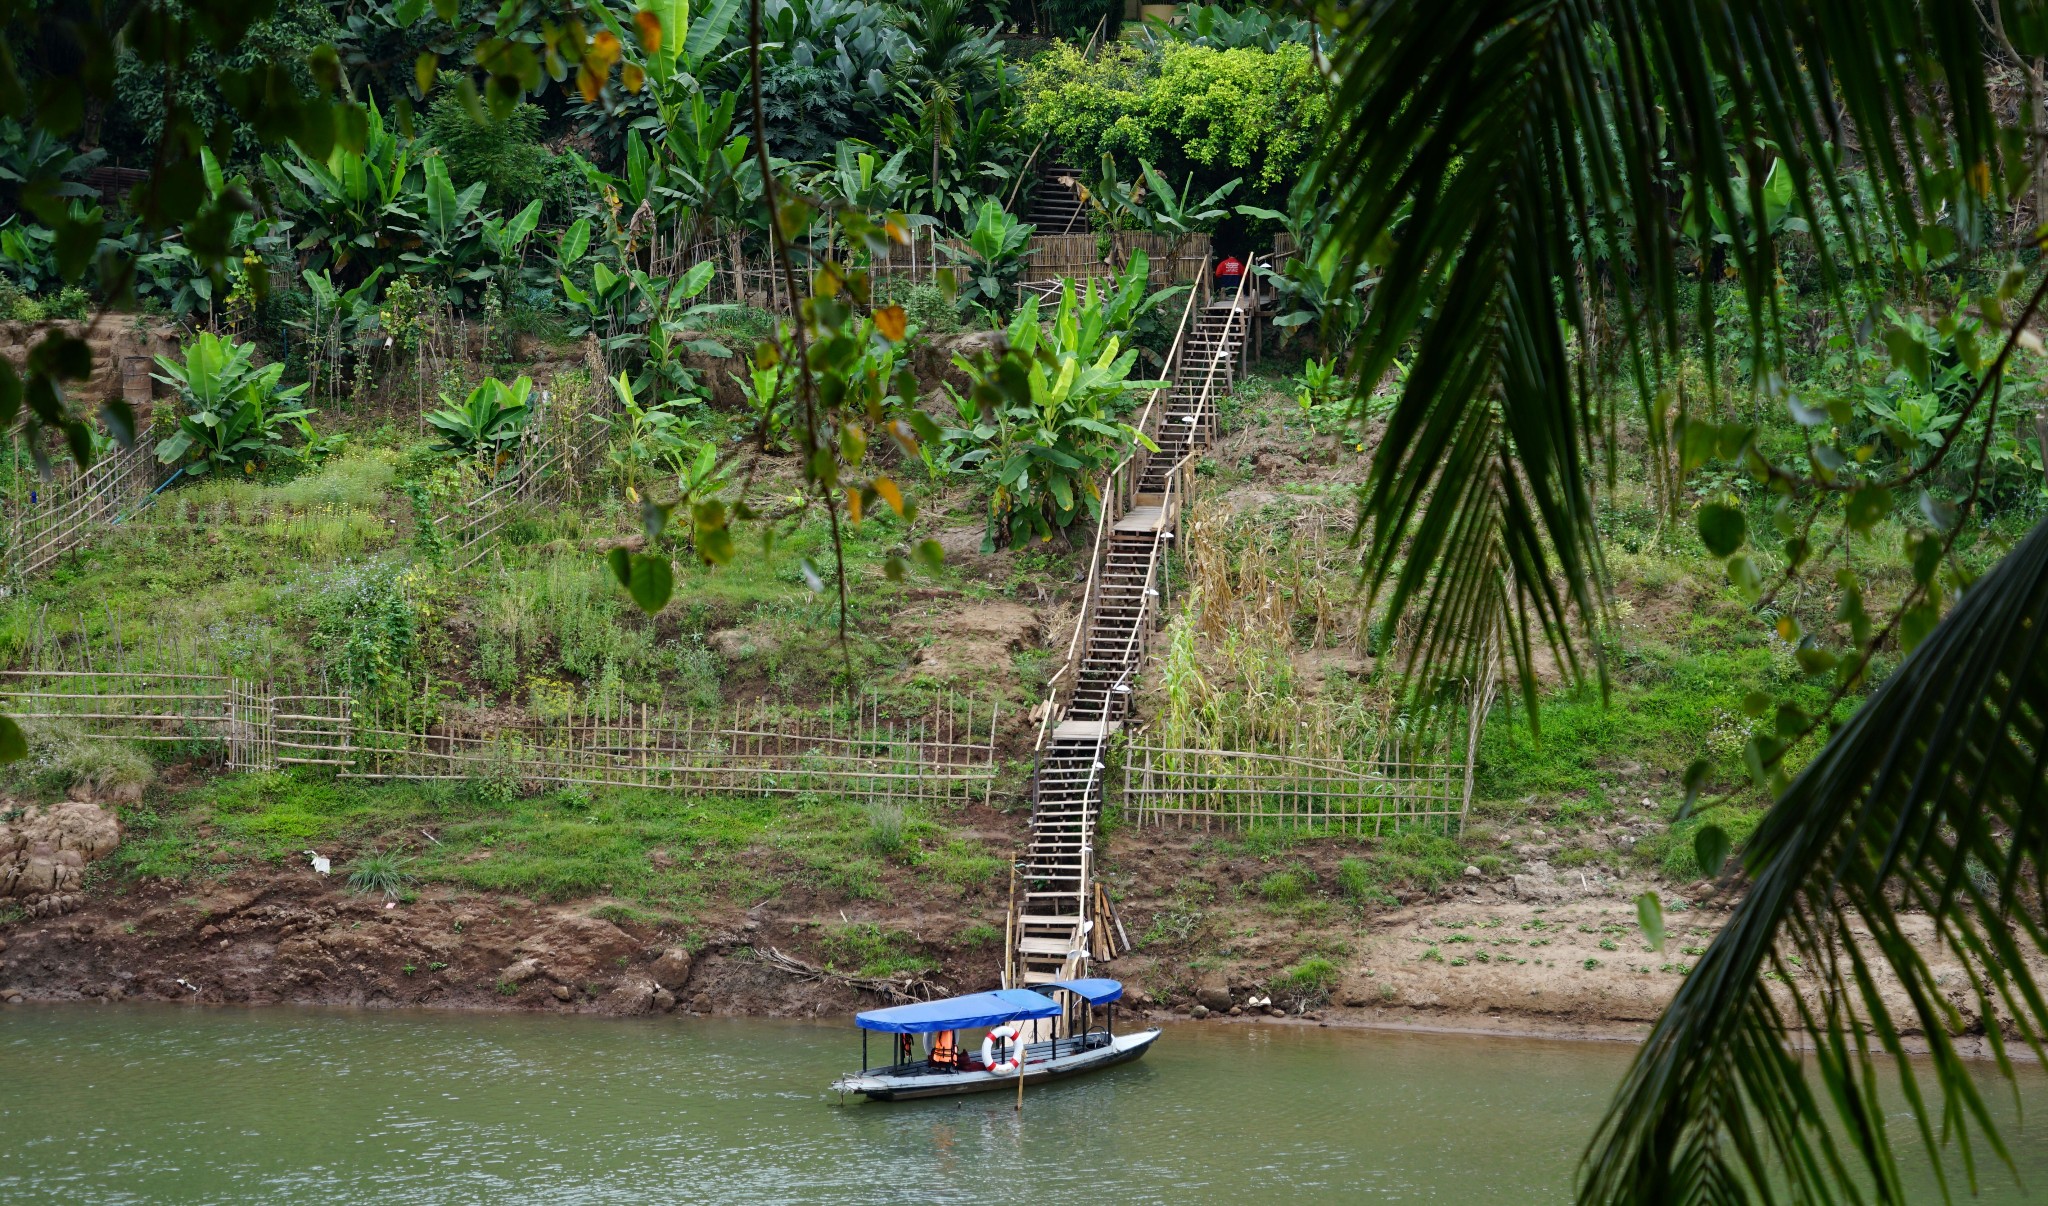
854 747
51 514
1054 258
848 749
1401 773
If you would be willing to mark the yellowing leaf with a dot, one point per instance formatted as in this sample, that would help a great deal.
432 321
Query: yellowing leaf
649 26
892 322
853 503
589 83
889 494
423 69
632 77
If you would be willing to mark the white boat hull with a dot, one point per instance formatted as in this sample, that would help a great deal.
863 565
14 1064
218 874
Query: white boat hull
896 1084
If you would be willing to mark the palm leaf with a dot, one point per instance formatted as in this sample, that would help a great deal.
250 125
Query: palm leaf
1512 132
1928 801
1483 148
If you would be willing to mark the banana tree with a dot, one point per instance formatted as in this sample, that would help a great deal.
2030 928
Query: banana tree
487 425
1316 283
673 329
644 436
993 258
1037 449
335 321
709 165
352 204
450 232
236 416
506 239
1175 216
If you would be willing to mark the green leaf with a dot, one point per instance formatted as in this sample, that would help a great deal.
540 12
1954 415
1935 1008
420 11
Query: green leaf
1814 660
1917 622
1745 576
575 240
1866 506
13 744
647 577
1908 353
1695 779
1710 848
1722 528
1650 915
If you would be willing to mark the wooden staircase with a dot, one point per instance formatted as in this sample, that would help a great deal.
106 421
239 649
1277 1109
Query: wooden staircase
1054 914
1056 205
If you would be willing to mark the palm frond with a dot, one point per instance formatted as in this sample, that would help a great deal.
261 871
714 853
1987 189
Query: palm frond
1928 803
1486 146
1516 173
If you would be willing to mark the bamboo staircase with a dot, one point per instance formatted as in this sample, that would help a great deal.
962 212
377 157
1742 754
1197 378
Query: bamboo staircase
1058 925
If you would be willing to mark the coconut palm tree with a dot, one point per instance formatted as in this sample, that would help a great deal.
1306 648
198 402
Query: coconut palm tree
1560 160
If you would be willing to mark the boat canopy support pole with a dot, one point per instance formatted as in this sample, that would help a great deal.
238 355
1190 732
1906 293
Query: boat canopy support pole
863 1050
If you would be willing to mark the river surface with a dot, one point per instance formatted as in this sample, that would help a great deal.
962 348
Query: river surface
141 1104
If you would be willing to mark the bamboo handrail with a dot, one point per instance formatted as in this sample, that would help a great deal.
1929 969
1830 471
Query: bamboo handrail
1113 497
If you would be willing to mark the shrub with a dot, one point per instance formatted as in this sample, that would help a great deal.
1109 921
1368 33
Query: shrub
930 310
386 873
873 951
1284 887
497 784
367 625
64 760
885 828
70 302
1311 978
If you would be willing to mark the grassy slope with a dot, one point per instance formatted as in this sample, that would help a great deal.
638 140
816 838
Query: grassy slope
1685 654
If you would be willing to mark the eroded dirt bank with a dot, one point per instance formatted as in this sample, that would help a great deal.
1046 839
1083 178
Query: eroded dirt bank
1536 952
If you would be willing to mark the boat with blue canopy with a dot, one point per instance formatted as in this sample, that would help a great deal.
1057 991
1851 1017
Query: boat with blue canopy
1033 1035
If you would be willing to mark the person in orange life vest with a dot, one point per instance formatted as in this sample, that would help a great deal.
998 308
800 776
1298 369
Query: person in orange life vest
1228 274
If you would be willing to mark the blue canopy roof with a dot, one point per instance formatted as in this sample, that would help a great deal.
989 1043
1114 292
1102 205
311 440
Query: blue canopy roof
960 1013
1095 992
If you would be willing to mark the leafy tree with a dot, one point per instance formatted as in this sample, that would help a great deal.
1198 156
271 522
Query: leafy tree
505 154
1185 108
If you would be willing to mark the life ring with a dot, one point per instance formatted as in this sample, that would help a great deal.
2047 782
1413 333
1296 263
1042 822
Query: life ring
1008 1032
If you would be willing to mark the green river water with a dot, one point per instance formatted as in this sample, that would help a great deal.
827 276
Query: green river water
137 1104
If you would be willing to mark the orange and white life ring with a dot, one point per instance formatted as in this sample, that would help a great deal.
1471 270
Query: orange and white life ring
1013 1059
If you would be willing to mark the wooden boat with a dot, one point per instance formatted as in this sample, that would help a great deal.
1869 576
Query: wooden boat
950 1068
